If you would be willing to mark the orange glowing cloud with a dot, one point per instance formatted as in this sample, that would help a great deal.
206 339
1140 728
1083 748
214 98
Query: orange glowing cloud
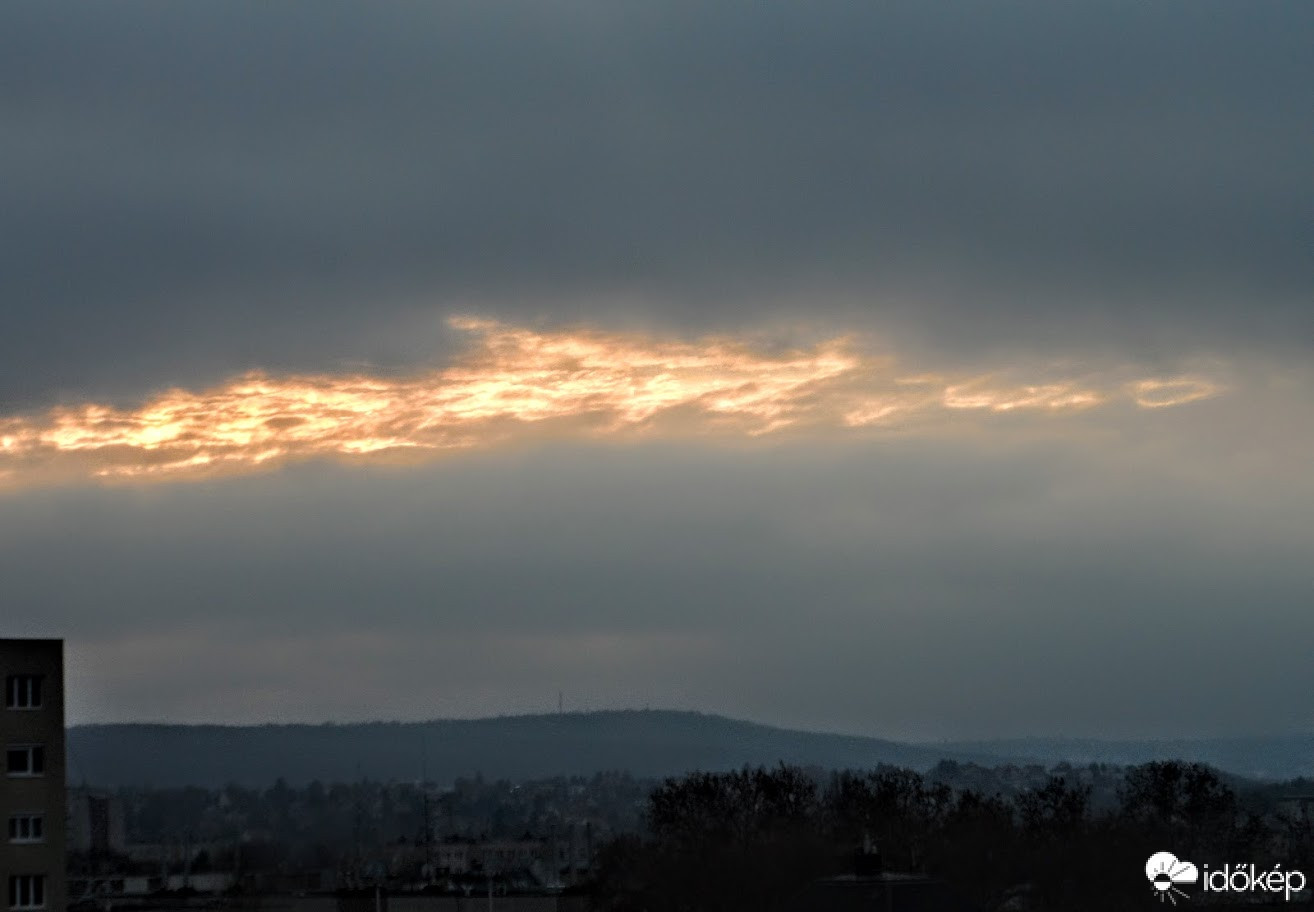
514 382
1162 392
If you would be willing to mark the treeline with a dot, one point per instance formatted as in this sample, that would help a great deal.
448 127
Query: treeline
337 818
753 839
371 812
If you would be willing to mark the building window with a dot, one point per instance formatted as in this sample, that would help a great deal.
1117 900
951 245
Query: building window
25 760
27 828
23 692
27 891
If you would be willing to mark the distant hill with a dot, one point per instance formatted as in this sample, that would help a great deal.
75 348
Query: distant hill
1273 757
646 743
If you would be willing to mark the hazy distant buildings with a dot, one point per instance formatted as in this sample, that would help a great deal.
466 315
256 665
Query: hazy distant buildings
32 785
554 861
95 823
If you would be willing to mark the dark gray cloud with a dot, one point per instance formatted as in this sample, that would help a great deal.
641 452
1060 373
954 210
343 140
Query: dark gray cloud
196 189
202 188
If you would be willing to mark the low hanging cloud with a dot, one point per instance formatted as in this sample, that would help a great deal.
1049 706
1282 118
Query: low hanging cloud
517 382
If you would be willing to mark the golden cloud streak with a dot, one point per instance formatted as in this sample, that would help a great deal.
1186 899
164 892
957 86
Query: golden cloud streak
515 382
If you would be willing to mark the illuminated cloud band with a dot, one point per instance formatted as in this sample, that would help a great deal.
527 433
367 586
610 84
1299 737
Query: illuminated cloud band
516 382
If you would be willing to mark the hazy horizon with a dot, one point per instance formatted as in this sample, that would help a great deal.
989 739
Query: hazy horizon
671 710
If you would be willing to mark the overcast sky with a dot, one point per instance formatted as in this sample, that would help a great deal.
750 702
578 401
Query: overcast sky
919 370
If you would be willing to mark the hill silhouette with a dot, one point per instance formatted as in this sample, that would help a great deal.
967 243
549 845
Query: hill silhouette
647 743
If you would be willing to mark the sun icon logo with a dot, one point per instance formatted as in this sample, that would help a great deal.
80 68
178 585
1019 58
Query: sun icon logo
1165 871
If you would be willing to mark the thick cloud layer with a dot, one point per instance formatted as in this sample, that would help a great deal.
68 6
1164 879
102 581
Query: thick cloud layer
1096 194
200 189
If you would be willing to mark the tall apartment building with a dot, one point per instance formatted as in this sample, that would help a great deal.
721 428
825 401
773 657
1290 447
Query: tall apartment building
32 778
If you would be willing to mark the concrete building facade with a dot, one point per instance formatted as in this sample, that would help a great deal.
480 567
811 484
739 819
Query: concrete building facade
32 803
